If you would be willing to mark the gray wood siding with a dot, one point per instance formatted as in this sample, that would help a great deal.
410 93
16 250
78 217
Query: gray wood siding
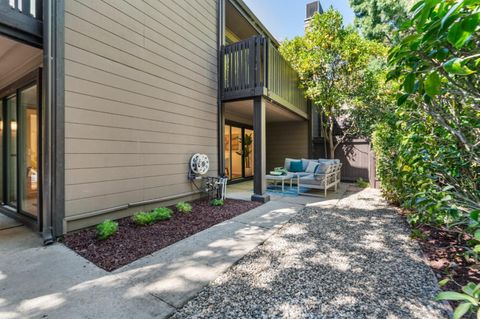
286 139
140 99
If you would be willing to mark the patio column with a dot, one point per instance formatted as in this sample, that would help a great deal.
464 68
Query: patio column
260 149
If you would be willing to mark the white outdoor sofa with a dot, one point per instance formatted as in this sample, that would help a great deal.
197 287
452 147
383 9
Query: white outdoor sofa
317 174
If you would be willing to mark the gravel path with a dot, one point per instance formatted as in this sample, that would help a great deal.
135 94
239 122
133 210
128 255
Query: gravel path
351 260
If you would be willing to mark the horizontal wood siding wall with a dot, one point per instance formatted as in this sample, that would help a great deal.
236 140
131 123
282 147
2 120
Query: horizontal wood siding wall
286 139
141 98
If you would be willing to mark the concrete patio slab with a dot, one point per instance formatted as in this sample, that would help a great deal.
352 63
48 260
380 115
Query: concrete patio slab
16 239
7 222
244 191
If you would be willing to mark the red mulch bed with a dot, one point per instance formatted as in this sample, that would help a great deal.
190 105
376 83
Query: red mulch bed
133 242
444 252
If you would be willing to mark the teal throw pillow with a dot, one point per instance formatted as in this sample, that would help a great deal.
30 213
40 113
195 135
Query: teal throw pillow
296 166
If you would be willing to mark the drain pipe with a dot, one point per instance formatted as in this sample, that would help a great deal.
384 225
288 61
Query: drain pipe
47 90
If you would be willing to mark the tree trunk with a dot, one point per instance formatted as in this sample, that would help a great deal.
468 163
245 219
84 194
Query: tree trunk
331 146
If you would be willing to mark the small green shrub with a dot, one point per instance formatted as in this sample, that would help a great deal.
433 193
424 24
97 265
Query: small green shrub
149 218
362 183
106 229
162 213
144 218
184 207
217 202
417 234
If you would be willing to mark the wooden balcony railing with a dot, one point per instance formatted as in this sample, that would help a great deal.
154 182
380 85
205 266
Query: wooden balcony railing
254 67
31 8
22 19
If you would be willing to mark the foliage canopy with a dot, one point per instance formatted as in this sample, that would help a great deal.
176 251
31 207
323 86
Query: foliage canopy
339 70
380 19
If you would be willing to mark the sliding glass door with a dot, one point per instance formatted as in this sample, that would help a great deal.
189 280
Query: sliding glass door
10 127
28 150
238 151
20 148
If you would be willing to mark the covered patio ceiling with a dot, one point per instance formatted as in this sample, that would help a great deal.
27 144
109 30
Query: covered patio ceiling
16 59
242 112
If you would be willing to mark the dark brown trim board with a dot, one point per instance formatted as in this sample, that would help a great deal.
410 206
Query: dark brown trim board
221 108
53 160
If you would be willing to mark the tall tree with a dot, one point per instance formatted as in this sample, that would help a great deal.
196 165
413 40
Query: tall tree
337 69
380 19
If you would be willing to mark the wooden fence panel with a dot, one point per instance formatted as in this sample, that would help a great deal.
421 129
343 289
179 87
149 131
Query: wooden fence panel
357 157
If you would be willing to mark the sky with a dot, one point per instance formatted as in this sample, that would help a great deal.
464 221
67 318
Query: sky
284 18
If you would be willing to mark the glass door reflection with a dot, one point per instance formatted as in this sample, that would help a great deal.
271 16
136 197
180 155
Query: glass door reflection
238 143
20 151
236 138
11 127
248 152
28 150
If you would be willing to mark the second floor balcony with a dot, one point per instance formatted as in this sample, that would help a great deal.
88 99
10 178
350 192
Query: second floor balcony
254 67
22 19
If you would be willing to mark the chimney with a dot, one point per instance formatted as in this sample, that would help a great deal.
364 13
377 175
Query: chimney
312 8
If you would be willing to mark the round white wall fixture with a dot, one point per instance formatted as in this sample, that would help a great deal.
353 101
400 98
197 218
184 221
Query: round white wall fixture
199 164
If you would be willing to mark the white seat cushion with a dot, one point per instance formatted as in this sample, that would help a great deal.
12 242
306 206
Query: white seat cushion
301 174
311 180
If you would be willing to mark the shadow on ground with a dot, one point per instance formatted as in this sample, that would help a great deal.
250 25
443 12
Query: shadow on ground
351 260
347 258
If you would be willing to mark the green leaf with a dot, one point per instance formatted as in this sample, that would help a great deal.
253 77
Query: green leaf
409 83
424 13
477 234
407 24
461 310
443 282
457 36
452 10
442 53
475 214
433 84
455 66
470 23
393 74
402 99
476 249
469 288
456 296
416 6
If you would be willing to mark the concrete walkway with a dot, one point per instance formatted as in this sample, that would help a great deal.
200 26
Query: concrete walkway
54 282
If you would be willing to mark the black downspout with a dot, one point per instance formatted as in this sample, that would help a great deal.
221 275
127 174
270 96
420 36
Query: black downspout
221 115
47 230
53 121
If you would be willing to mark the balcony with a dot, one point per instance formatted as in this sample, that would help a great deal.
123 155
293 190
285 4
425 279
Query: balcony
254 67
22 20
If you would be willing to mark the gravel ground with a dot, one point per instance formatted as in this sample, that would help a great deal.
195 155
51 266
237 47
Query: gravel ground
354 260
